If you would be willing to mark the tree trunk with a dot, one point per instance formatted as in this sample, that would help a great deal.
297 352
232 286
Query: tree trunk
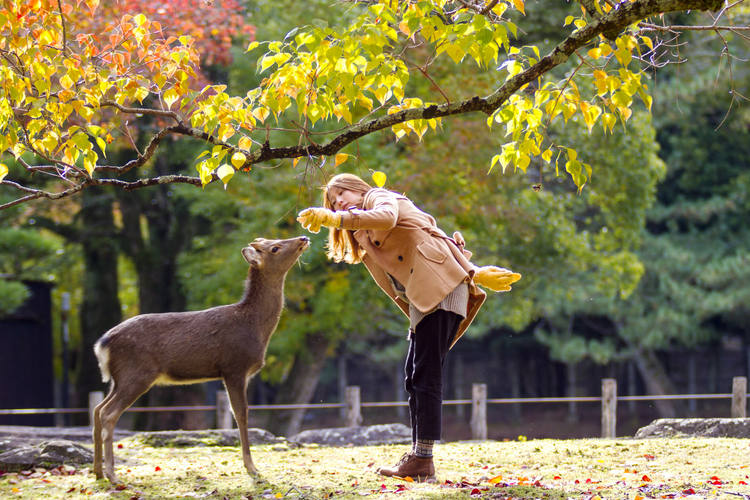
657 381
156 229
100 307
299 386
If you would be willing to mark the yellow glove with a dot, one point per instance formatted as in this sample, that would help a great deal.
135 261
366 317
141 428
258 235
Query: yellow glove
314 217
495 278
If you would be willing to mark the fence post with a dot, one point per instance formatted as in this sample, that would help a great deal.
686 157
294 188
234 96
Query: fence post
353 409
739 397
609 407
95 397
479 411
223 411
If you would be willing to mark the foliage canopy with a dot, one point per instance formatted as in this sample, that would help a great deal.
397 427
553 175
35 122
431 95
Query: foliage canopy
74 86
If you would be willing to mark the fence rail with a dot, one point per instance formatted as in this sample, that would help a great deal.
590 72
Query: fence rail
479 402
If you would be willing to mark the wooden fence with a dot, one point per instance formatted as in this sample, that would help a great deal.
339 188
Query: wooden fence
478 402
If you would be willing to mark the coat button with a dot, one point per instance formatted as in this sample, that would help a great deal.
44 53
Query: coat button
377 243
401 258
411 270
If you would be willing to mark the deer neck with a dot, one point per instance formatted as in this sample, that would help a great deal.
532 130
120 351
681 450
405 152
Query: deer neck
264 296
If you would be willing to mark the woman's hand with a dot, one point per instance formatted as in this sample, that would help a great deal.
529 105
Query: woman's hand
495 278
314 217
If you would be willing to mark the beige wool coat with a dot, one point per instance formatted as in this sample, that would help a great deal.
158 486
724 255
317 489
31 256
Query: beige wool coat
401 240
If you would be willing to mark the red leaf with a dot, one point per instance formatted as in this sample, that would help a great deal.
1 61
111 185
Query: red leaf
157 468
742 482
71 490
577 481
475 492
119 446
689 491
715 478
121 487
557 477
646 478
648 456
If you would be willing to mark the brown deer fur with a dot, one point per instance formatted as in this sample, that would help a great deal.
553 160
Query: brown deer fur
225 342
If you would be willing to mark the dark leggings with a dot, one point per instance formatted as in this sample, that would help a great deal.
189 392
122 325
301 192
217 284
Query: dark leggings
428 346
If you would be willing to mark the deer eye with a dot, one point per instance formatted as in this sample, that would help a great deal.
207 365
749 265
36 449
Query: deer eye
274 249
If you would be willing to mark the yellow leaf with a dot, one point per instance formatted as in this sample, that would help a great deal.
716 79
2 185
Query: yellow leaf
595 53
455 52
379 178
295 161
66 82
341 158
204 172
170 96
496 479
568 110
404 28
518 4
238 159
252 46
3 171
648 42
547 155
245 143
609 120
89 165
261 114
225 172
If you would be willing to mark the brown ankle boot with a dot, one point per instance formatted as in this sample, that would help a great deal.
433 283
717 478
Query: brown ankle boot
418 468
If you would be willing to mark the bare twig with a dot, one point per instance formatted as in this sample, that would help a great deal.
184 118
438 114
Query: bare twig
142 111
64 33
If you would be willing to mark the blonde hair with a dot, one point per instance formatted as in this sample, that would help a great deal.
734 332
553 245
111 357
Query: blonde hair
341 243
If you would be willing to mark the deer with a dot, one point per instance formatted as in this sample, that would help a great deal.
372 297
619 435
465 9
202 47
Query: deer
225 343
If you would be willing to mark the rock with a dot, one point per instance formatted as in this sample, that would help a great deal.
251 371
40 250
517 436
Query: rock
357 436
211 437
47 454
38 434
696 427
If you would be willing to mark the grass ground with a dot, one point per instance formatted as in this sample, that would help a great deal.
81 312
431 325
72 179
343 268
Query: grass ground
549 469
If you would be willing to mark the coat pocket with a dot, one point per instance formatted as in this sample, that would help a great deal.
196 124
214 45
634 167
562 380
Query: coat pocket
431 252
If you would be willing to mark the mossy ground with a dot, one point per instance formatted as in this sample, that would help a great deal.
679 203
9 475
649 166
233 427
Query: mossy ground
549 469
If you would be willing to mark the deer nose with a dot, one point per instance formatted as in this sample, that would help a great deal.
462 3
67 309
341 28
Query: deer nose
305 239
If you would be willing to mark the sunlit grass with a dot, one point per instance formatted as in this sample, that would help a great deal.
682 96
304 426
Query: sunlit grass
550 469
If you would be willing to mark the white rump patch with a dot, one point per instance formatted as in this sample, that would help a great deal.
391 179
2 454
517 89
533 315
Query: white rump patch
102 356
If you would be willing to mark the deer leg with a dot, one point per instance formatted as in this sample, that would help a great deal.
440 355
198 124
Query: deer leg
237 391
97 433
119 400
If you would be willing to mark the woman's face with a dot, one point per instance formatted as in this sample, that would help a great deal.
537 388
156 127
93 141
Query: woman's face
344 199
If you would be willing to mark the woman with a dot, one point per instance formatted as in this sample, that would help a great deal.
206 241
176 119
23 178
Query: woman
426 273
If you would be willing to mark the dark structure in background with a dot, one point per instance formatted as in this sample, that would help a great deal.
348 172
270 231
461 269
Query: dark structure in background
26 376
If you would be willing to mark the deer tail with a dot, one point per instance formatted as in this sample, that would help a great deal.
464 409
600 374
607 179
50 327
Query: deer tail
102 356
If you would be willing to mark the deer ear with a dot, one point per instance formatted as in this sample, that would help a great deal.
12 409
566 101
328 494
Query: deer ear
252 256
